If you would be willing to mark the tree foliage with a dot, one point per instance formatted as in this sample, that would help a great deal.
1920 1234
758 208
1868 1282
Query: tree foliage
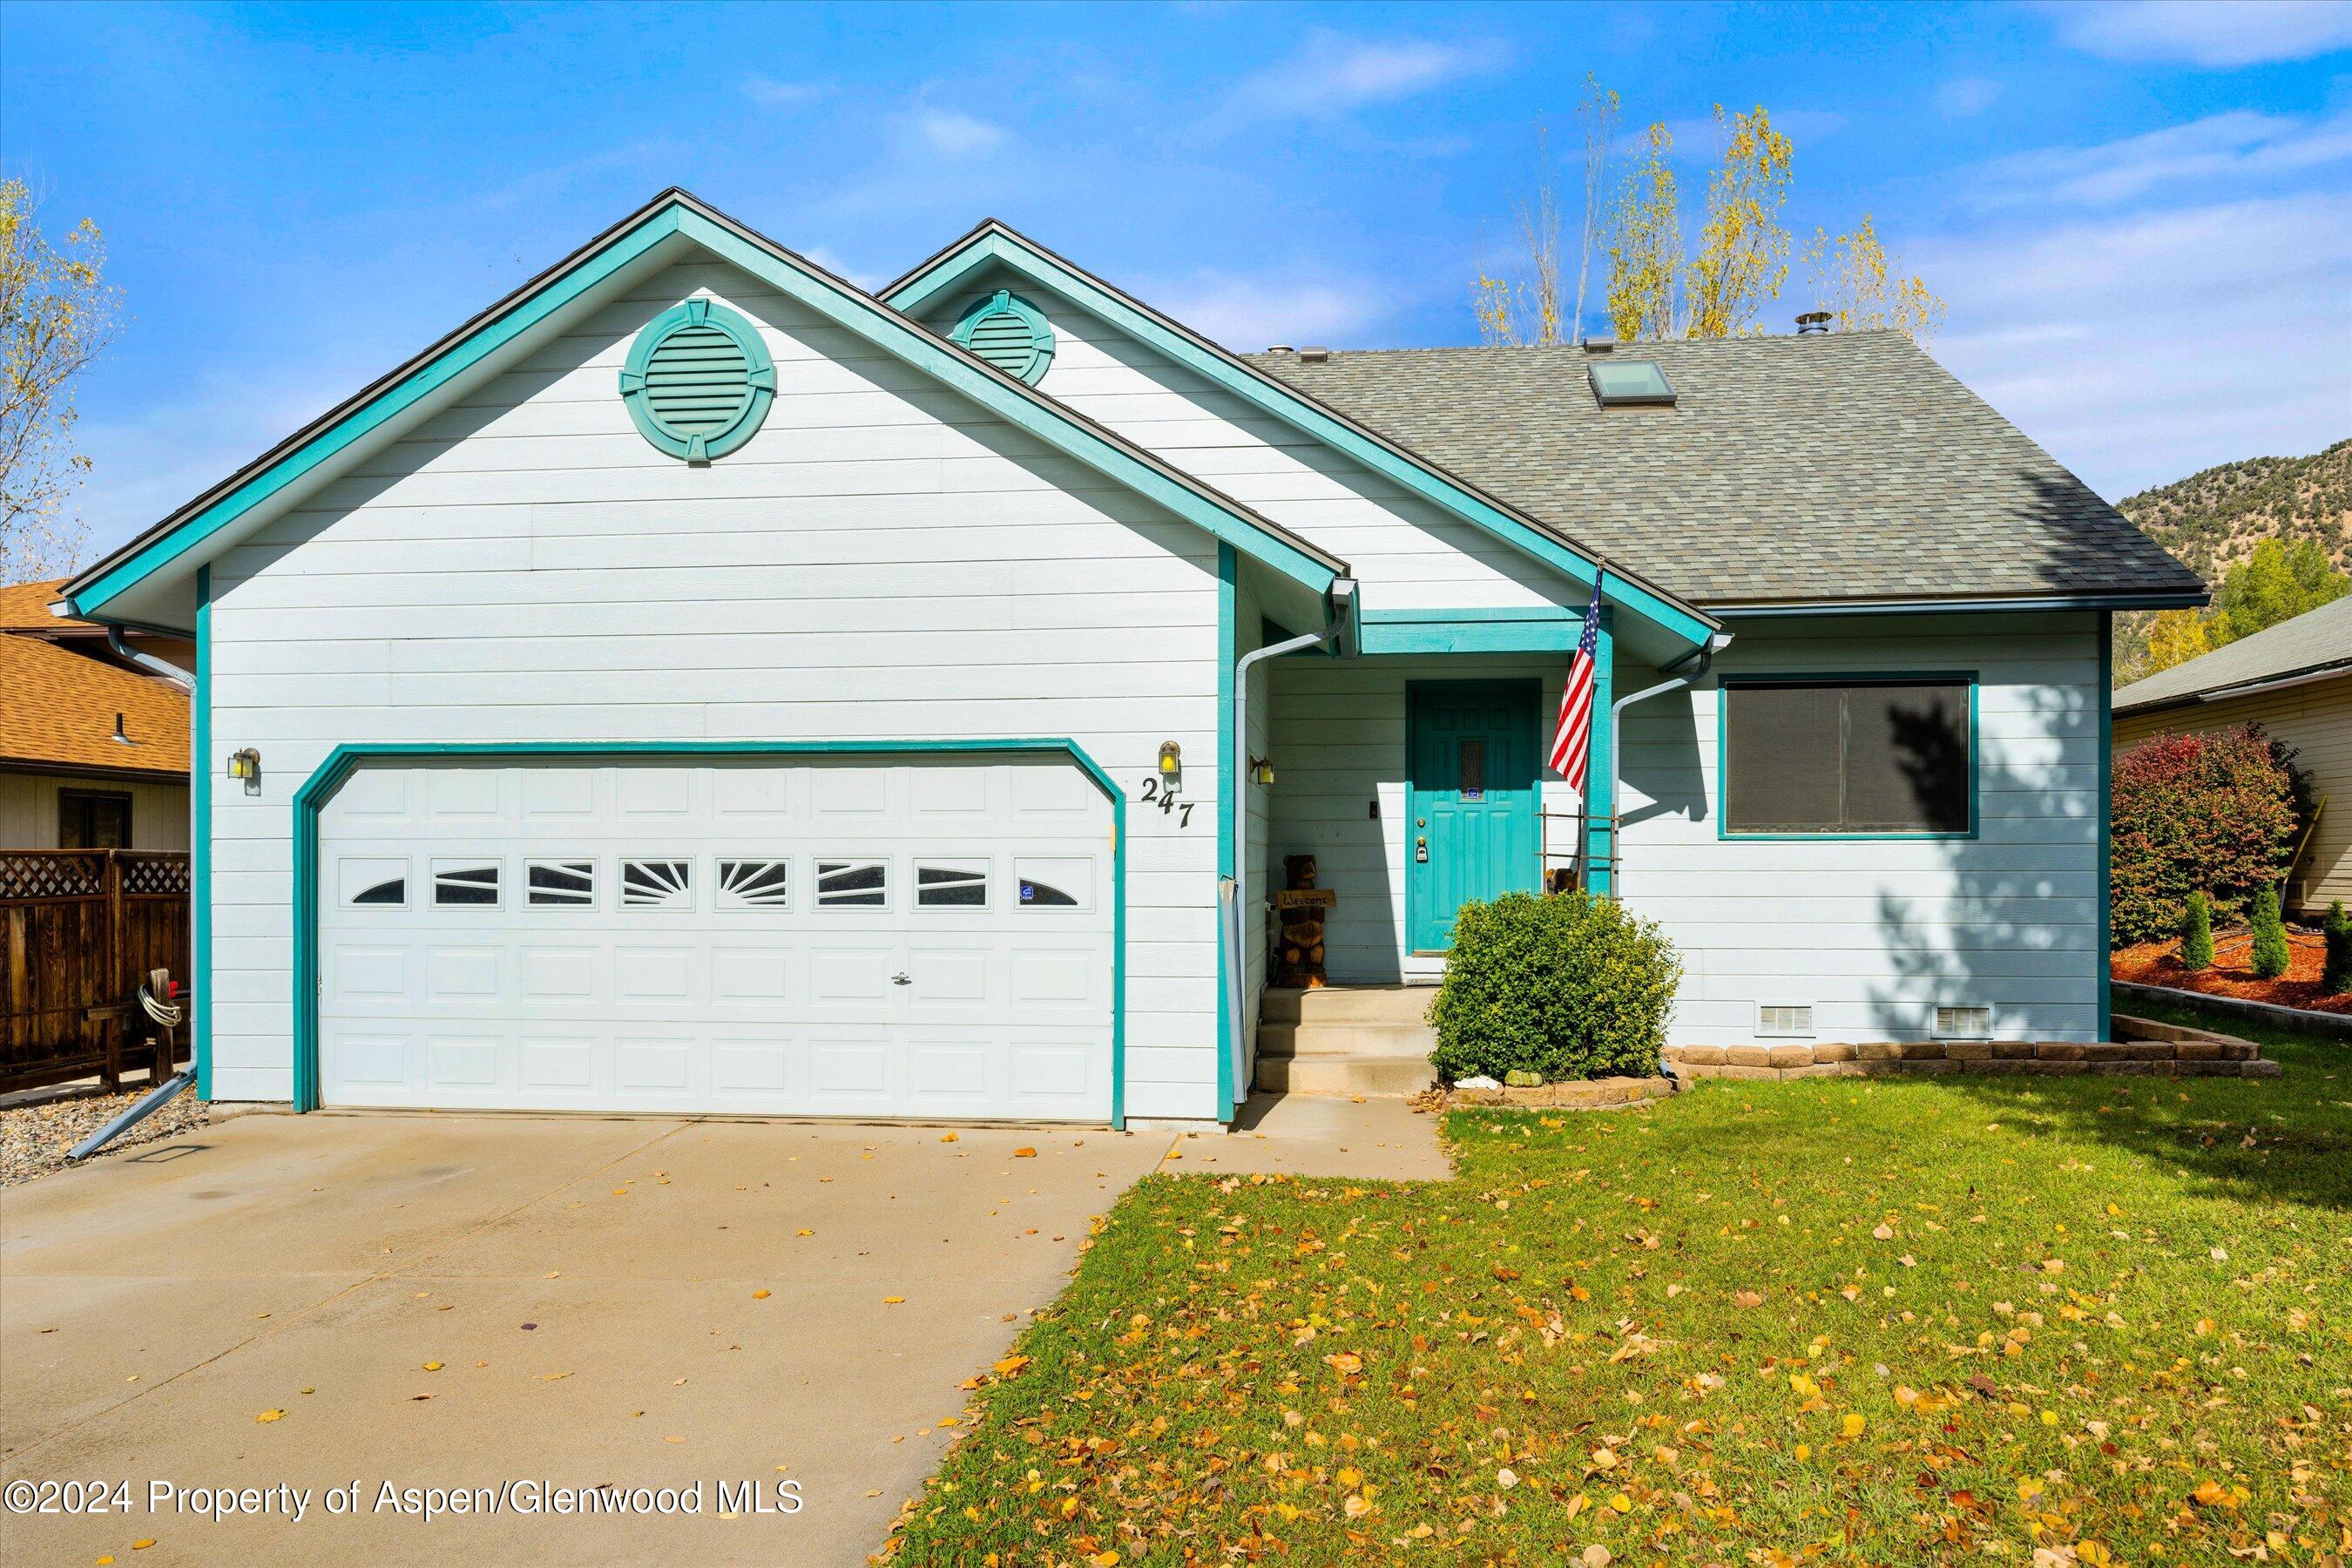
1566 985
1743 246
2279 581
2270 954
2216 814
1855 281
2335 970
56 312
1646 244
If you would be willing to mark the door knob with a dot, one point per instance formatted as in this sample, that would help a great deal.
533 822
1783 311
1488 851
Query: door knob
900 979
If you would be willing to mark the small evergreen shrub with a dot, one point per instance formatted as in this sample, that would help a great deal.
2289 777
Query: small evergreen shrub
1566 985
2270 954
2197 933
2216 812
2335 972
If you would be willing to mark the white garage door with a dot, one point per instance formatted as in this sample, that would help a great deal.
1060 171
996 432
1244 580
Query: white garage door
922 939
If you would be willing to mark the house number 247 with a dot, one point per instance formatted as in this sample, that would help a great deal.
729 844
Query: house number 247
1167 802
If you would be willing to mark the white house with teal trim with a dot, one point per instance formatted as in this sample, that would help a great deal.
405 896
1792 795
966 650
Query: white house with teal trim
699 684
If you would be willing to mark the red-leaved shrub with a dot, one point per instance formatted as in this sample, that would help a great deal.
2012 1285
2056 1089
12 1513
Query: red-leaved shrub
2214 812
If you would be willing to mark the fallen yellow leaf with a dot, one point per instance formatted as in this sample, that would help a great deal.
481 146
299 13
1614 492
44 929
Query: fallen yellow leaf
1024 1153
893 1300
433 1366
762 1294
271 1415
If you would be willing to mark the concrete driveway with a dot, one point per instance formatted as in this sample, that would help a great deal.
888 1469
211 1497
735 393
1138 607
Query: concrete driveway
469 1301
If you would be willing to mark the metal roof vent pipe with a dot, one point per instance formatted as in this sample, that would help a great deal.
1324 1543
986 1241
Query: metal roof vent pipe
1280 349
1601 344
1813 322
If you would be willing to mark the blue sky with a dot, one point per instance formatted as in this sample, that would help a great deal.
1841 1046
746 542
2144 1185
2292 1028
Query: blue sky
2141 214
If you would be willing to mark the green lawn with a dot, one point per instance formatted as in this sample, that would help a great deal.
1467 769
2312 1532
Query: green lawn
1847 1320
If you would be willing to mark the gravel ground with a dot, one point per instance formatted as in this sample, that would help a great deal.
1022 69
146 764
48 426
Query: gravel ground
34 1138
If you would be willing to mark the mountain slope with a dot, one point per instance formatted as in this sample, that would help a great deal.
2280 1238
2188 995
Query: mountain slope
2213 519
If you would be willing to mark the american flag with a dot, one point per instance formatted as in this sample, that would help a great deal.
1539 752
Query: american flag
1571 748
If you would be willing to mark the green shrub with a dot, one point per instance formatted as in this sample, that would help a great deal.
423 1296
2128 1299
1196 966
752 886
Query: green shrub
2197 933
2270 954
2217 812
2336 972
1567 985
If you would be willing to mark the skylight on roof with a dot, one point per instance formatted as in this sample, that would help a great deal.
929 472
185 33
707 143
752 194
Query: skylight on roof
1629 382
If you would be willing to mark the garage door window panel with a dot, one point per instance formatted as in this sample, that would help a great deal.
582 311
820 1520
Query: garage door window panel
1054 884
951 885
560 884
663 884
462 884
755 884
374 883
853 884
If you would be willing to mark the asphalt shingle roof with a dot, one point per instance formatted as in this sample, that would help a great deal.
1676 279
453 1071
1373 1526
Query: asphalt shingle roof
57 708
1836 466
2312 642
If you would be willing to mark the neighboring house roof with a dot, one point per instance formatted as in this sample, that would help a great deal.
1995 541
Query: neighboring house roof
1831 467
995 243
57 710
644 237
24 607
2316 642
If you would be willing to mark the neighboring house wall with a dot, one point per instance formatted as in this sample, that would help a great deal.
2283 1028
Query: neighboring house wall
882 560
28 809
2317 721
1406 552
1875 933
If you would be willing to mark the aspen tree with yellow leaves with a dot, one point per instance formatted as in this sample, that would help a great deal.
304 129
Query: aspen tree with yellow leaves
56 313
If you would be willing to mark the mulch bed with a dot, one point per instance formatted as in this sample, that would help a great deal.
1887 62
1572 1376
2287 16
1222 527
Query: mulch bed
2232 974
34 1139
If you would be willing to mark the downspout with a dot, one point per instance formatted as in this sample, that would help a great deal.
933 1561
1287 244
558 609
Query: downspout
1338 629
147 661
1704 656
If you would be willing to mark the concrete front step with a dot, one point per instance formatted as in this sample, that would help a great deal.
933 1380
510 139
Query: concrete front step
1336 1039
1375 1076
1347 1003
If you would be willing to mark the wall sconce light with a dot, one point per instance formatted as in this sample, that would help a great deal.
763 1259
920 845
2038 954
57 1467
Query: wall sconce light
1262 769
247 764
1171 766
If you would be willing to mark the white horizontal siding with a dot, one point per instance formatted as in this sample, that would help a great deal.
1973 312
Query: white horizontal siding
882 562
1873 934
1405 551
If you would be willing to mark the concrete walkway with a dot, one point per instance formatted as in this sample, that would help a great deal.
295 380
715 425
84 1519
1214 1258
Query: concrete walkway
468 1301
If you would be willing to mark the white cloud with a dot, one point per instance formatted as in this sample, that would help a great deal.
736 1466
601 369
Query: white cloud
1333 74
770 93
2218 33
1246 314
952 133
2141 348
1968 95
2239 146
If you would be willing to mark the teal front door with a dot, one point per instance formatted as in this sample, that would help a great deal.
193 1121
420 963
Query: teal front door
1470 800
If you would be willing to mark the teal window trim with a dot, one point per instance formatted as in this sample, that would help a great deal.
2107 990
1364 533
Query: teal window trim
1513 629
1041 332
1599 802
1228 853
200 837
959 265
2105 624
759 379
1728 683
320 787
1258 538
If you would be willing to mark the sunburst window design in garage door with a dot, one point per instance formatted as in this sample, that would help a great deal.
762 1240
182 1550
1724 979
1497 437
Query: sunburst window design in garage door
754 884
658 884
561 883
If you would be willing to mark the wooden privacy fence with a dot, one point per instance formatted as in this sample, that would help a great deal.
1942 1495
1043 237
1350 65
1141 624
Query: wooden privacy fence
79 929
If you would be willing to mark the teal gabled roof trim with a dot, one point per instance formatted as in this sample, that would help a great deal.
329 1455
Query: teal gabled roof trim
1508 629
320 787
698 380
675 213
958 266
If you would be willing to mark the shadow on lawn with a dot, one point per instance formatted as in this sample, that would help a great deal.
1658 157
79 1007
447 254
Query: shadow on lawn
2254 1141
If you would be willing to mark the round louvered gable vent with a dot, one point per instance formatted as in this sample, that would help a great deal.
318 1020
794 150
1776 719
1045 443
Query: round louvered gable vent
1010 333
698 380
